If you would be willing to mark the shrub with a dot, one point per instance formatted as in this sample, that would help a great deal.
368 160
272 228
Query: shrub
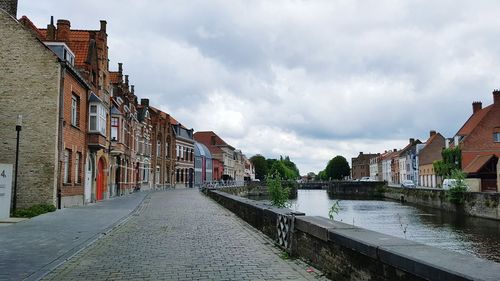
34 211
456 194
278 193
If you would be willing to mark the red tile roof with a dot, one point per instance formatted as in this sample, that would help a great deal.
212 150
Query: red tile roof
473 121
477 163
29 24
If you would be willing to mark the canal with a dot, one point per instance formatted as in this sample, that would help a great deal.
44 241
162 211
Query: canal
468 235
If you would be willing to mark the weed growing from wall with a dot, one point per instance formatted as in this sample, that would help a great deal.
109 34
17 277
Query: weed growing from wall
277 192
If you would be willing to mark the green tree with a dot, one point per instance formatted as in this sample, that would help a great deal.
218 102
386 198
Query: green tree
452 160
260 164
337 168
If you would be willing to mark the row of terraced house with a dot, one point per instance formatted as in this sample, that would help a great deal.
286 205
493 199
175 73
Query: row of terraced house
85 134
478 141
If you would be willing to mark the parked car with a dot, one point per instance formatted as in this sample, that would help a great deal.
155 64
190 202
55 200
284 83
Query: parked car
366 179
449 183
408 184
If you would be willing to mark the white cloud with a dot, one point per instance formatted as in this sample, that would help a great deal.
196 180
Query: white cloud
308 79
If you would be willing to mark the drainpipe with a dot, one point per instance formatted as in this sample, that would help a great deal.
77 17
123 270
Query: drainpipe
60 139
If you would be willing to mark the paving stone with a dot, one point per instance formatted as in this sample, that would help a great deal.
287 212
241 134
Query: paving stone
182 235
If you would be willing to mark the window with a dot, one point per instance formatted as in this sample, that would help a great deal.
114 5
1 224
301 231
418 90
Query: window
158 148
115 128
166 149
157 174
496 137
75 109
67 157
97 118
77 167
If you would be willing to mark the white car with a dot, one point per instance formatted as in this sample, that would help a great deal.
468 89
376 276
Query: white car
366 179
408 184
449 183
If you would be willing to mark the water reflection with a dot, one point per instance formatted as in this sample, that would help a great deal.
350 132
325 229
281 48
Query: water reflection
475 236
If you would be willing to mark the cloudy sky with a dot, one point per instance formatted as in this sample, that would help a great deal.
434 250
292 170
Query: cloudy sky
308 79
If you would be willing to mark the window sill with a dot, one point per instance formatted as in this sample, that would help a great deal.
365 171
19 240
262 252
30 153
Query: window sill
75 127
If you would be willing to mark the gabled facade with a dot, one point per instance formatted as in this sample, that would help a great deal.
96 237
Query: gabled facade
184 165
429 153
163 159
27 66
407 161
90 51
144 135
386 164
479 142
124 123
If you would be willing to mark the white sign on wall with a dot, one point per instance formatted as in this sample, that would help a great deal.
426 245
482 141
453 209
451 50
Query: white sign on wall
5 190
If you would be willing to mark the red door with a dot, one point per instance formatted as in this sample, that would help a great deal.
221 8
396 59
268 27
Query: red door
100 180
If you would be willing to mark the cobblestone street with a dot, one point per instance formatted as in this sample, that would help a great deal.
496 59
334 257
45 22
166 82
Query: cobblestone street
183 235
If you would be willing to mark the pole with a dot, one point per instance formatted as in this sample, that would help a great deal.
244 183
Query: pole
18 130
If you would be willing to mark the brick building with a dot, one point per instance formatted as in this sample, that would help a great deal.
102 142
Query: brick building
163 160
221 151
91 61
184 165
430 152
361 166
479 141
40 82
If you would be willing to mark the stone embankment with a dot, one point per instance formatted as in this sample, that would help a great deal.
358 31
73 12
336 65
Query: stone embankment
346 252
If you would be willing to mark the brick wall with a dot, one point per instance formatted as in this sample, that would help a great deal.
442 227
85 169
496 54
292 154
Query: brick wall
30 86
480 140
74 138
432 151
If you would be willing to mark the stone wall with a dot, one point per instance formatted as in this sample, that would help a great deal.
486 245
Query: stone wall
30 87
478 204
346 252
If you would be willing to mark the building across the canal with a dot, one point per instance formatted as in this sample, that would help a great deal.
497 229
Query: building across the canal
361 165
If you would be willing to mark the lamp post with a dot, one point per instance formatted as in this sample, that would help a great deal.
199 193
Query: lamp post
19 124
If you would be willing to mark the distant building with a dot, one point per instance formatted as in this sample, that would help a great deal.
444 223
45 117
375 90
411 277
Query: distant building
374 168
184 172
407 161
479 141
361 166
426 156
202 164
221 151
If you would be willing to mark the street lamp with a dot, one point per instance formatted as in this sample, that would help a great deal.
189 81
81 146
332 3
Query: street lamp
19 124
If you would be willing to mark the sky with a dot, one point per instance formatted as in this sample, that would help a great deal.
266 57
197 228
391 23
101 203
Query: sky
307 79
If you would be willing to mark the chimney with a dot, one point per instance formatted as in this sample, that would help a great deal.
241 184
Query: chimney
496 97
10 6
120 67
145 102
361 153
395 150
476 106
132 88
432 133
51 30
63 29
103 26
412 140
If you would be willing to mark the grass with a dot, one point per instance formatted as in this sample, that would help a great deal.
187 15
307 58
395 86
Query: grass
34 211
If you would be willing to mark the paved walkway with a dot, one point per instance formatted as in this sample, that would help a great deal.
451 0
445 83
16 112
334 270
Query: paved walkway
32 248
182 235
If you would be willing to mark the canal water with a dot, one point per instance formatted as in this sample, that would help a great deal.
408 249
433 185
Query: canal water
468 235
